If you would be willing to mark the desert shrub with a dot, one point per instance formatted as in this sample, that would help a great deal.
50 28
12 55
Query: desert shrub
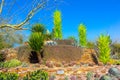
74 39
115 50
11 63
37 75
103 44
82 35
8 76
90 44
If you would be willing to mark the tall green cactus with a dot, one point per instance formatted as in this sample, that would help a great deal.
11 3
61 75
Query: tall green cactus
103 44
82 35
57 25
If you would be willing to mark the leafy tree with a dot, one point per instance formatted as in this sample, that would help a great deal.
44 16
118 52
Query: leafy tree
11 37
57 31
10 12
103 44
3 44
82 35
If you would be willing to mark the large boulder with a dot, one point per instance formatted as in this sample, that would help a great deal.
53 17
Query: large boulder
115 72
105 77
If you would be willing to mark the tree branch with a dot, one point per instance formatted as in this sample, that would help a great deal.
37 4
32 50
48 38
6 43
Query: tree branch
29 16
1 6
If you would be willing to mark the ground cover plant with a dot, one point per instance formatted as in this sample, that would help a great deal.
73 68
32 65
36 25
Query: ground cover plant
37 75
8 76
11 63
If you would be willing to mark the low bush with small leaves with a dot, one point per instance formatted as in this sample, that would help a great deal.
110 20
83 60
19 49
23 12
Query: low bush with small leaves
37 75
11 63
8 76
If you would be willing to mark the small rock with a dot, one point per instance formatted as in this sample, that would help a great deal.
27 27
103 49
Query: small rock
60 72
73 78
49 64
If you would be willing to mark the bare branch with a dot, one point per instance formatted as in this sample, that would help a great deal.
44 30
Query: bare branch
1 6
29 16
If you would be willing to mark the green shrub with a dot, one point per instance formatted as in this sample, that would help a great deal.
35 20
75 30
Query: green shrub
37 75
90 44
103 44
82 35
11 63
36 41
8 76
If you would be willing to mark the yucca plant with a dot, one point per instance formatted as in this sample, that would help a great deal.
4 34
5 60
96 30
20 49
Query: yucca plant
36 42
39 28
103 44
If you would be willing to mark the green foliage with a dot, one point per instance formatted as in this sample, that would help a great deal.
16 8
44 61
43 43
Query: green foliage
39 28
72 38
36 41
90 44
103 44
57 31
8 76
11 63
37 75
89 75
82 35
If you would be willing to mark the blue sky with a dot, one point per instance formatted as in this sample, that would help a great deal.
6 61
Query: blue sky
99 16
